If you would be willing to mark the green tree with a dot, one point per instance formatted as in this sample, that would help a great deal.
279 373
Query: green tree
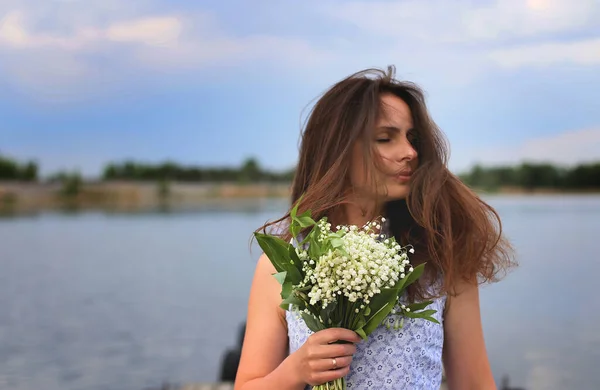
110 172
250 171
30 171
9 169
71 184
163 190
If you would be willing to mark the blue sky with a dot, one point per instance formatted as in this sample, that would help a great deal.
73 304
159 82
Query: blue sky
85 82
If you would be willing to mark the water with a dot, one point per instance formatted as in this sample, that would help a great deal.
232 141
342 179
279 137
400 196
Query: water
94 301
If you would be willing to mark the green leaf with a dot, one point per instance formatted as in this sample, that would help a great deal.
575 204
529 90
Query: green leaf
312 323
361 321
375 320
305 220
278 253
336 242
275 249
294 209
314 250
280 276
411 277
381 305
295 229
431 319
293 299
367 310
425 314
419 306
294 257
361 333
286 289
326 312
420 314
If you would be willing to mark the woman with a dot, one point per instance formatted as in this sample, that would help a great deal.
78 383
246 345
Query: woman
370 149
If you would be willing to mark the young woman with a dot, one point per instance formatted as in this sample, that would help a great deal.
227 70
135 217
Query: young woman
371 149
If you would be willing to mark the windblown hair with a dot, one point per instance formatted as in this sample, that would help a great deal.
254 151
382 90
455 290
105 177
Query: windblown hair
452 229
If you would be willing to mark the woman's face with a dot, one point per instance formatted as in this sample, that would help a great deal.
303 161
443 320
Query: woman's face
393 141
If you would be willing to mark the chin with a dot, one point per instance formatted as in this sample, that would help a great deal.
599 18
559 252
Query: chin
398 193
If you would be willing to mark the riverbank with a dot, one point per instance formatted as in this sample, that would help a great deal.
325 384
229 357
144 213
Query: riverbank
126 196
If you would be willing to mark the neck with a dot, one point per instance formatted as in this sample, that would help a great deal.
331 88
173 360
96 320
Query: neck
356 213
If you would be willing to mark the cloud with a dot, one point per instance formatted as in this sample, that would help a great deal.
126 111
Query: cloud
148 31
585 52
568 148
69 54
441 21
518 18
507 33
65 47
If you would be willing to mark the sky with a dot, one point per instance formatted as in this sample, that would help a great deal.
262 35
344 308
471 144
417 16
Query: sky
87 82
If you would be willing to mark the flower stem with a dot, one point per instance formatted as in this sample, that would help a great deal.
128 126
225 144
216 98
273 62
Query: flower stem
337 384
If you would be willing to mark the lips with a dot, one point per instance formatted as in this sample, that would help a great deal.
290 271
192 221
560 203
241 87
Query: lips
403 175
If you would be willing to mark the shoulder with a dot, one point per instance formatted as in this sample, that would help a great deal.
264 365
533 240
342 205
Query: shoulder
265 287
464 347
264 267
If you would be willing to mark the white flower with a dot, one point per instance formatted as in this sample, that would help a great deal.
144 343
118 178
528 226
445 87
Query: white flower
366 266
411 250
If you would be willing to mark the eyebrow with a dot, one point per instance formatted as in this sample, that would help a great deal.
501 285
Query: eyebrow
395 128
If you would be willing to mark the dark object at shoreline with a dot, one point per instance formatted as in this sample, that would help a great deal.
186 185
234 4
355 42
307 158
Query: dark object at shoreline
505 384
231 358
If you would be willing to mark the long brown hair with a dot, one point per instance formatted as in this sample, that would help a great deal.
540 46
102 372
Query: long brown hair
450 226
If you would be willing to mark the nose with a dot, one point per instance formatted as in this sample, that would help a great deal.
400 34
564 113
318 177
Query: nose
405 151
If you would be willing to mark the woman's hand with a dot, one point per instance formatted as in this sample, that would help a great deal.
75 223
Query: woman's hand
321 359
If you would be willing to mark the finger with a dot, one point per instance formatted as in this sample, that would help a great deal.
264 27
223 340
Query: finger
335 334
326 376
332 351
328 363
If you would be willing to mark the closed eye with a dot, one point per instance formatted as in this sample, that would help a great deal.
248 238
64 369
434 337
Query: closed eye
413 138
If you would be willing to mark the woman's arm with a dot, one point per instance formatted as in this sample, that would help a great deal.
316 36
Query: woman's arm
263 363
465 357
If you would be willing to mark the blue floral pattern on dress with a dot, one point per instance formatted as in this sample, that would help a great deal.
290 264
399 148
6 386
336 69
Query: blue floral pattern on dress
401 359
407 358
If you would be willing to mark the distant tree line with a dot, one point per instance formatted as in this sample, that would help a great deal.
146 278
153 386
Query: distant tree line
526 175
250 171
532 176
11 169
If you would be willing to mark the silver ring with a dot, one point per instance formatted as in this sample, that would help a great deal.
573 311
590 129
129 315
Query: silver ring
334 362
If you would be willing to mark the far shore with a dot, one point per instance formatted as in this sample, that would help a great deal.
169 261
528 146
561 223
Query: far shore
20 197
129 196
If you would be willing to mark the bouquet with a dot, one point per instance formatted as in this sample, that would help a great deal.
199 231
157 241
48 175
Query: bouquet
349 278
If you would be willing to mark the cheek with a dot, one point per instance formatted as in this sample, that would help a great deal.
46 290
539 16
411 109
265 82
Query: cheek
386 159
357 166
357 172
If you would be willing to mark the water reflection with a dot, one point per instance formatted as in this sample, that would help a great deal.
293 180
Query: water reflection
110 300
